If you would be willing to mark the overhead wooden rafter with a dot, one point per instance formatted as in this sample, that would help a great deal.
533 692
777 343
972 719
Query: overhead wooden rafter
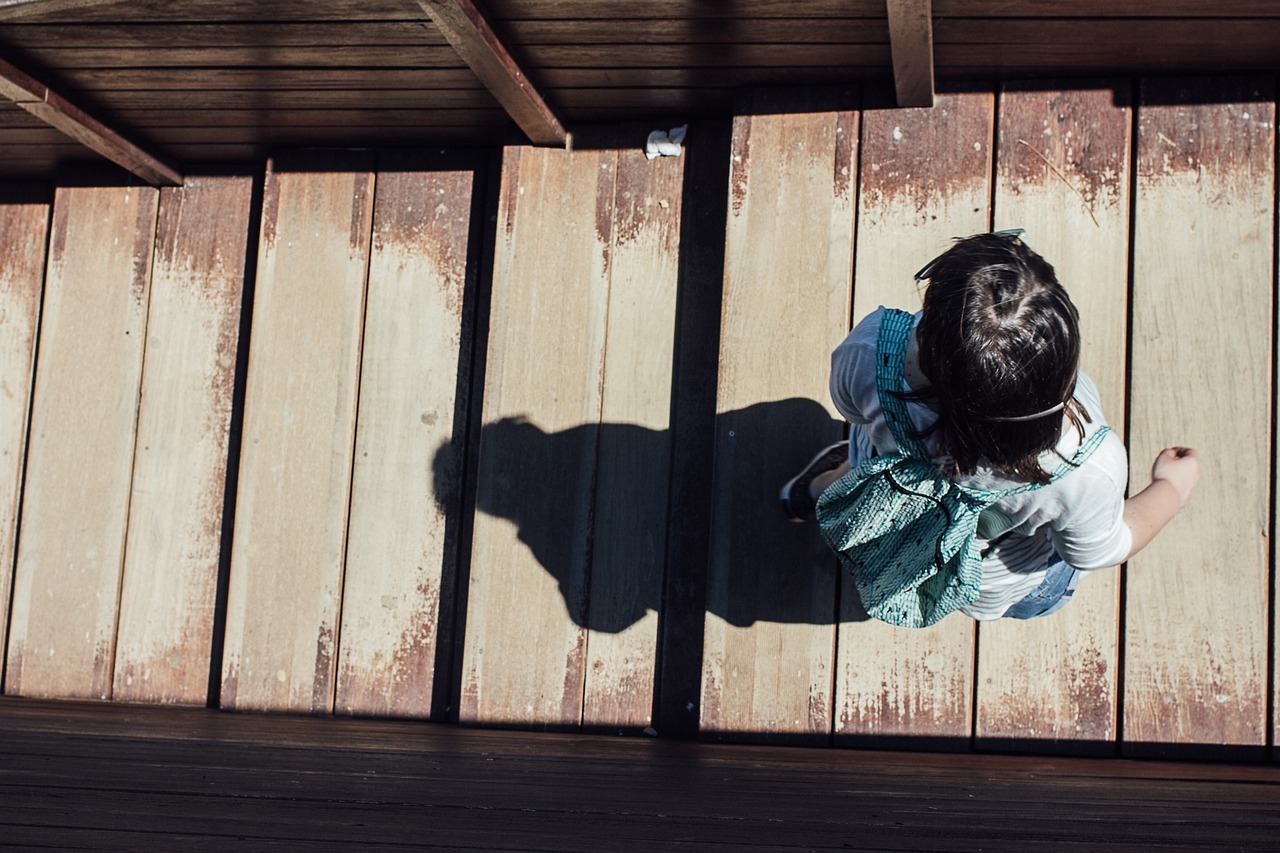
56 111
469 32
25 8
911 44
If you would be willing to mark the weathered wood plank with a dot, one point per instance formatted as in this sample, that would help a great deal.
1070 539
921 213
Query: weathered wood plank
629 541
164 638
1104 10
925 179
81 444
1201 375
1063 174
299 423
771 597
159 61
24 222
398 574
78 774
593 56
525 633
351 33
149 11
1012 48
752 10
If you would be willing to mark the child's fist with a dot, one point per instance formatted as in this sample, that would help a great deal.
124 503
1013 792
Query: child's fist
1180 466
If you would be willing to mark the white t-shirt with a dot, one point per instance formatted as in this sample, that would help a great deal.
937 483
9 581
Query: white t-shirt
1081 516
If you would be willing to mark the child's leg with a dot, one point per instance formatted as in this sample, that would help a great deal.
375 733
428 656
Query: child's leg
800 494
819 483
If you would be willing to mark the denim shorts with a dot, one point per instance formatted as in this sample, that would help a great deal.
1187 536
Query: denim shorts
1052 595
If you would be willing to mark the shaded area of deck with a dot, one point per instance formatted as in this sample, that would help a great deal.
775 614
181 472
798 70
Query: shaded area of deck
123 777
496 440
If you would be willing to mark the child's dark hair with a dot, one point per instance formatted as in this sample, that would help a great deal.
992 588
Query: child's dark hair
999 342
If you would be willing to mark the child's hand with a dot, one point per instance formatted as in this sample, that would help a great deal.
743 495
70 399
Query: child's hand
1180 467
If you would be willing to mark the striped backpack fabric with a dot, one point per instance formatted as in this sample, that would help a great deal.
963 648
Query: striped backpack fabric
906 533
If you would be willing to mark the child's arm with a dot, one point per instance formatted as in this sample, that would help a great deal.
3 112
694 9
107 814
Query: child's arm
1173 479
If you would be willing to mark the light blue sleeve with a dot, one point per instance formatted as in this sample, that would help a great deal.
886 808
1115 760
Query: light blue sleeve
853 371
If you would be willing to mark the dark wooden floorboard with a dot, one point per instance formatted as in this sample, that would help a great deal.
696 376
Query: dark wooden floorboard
82 775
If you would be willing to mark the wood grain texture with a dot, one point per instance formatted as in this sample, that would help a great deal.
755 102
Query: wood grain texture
56 111
466 28
1201 376
1063 175
925 179
24 222
81 444
525 636
911 42
76 774
165 633
1102 8
299 424
684 9
113 11
629 528
771 587
397 566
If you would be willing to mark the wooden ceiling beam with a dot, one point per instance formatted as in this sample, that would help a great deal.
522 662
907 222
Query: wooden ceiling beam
911 45
10 9
469 32
58 112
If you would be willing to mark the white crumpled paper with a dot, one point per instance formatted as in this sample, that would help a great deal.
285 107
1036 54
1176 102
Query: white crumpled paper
665 143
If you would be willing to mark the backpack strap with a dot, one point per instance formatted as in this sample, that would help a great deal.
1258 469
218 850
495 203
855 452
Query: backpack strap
1077 459
891 356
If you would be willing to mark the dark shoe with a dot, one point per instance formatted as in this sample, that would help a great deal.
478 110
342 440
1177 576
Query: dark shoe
796 502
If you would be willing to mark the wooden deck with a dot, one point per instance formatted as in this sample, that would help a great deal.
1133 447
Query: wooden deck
497 440
79 776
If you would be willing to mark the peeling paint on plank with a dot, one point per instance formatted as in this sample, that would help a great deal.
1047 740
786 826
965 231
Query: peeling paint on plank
68 575
1069 141
175 521
1223 125
24 226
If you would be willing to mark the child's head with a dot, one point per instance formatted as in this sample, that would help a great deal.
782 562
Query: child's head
999 341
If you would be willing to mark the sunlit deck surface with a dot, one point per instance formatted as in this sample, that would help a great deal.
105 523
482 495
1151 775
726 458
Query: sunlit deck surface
488 442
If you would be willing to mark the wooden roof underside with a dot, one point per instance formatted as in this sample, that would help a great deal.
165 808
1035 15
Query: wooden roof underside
193 82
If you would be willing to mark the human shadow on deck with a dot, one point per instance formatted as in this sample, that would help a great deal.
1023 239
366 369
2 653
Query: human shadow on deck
592 505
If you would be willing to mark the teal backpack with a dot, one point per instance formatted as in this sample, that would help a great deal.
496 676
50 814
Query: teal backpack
907 533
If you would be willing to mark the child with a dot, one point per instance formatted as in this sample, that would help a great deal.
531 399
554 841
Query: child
991 386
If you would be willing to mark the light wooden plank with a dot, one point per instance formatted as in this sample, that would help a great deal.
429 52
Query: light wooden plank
299 424
925 179
164 639
1196 619
397 566
24 222
630 514
771 588
81 444
525 633
1063 174
911 43
466 28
